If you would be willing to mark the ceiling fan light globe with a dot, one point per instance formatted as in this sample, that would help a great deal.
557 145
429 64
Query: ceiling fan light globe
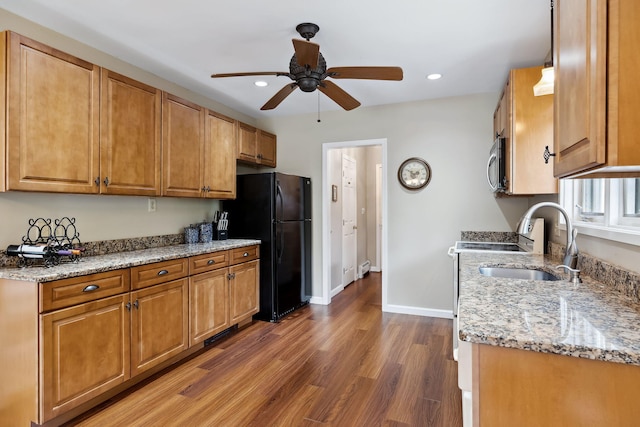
308 84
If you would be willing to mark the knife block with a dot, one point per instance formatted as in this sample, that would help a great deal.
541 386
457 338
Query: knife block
221 234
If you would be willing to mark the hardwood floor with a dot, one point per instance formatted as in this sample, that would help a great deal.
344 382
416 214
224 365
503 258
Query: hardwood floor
346 364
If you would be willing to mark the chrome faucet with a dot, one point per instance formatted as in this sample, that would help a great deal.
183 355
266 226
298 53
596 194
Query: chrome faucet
571 251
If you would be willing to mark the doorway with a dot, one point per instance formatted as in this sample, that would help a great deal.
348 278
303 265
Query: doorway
370 214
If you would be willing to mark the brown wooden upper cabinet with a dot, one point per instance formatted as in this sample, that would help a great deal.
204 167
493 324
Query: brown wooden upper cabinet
597 92
526 121
75 128
130 127
53 118
199 151
255 146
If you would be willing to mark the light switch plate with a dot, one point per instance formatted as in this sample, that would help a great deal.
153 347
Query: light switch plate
151 204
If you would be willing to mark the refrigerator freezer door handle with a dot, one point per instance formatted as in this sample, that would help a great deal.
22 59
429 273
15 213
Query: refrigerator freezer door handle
280 196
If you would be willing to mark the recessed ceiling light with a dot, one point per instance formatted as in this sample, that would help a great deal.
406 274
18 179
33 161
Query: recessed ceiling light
261 83
434 76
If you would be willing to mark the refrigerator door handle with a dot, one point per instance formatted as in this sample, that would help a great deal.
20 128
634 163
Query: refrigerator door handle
279 196
280 250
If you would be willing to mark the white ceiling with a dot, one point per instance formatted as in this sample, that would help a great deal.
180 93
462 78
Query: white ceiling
472 43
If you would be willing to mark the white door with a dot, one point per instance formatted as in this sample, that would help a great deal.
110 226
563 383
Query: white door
378 217
349 225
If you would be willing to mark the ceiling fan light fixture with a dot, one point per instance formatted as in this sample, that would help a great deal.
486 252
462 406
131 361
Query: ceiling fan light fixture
545 85
260 83
434 76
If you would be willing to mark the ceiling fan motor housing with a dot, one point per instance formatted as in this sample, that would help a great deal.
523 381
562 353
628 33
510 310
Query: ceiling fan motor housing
307 78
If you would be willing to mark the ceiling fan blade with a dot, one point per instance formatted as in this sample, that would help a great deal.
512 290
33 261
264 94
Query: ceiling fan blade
279 97
340 97
371 73
306 53
257 73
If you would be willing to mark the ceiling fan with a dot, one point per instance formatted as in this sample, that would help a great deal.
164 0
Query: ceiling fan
308 70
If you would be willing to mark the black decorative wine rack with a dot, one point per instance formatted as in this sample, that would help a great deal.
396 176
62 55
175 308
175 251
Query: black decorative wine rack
54 242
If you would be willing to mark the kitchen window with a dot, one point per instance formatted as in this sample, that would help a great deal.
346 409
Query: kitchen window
608 208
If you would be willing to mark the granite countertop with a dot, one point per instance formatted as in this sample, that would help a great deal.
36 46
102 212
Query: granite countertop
588 320
101 263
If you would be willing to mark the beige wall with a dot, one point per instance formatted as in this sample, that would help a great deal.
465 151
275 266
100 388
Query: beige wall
454 136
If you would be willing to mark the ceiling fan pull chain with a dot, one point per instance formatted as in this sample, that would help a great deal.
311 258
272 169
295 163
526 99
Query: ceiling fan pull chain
318 107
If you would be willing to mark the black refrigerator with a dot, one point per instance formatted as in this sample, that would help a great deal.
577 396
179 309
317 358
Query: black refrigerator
276 208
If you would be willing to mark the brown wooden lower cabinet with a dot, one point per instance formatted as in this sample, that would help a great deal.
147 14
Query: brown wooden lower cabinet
513 387
159 324
209 300
244 297
69 344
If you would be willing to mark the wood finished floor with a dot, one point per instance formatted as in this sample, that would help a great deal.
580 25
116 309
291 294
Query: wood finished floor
346 364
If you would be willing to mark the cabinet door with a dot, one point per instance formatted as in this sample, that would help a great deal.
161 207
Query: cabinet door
247 143
85 352
53 119
531 129
220 156
182 147
244 290
159 324
130 130
209 305
580 85
267 149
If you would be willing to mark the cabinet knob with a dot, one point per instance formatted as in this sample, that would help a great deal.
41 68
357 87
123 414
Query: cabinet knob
162 272
106 181
204 189
97 181
136 305
211 262
128 306
245 254
547 154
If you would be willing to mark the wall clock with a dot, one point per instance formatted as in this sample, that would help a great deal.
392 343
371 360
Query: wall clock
414 173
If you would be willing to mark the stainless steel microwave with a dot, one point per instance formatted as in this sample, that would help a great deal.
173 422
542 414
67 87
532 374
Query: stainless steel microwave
496 166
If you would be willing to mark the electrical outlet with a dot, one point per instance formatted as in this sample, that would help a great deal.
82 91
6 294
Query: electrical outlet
151 204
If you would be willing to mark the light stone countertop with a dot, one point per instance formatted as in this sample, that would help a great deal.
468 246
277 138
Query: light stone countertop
102 263
588 320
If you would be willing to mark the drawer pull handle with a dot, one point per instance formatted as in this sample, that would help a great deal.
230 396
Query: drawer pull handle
91 288
211 262
245 254
162 272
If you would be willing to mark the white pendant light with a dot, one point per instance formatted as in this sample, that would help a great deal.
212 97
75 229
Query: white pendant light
545 85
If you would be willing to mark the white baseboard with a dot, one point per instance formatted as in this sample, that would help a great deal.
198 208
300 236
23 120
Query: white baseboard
336 291
418 311
375 269
318 300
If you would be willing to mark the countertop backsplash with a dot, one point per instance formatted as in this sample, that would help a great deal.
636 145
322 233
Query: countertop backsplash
104 247
489 236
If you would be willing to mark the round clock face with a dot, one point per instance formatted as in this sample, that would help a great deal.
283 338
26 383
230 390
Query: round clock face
414 173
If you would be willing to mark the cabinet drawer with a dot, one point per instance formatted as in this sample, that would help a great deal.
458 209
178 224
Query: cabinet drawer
208 262
245 254
159 272
76 290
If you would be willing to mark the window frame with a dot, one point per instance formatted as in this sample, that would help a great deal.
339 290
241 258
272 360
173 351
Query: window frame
612 225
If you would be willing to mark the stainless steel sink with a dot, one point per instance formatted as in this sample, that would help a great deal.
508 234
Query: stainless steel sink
518 273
